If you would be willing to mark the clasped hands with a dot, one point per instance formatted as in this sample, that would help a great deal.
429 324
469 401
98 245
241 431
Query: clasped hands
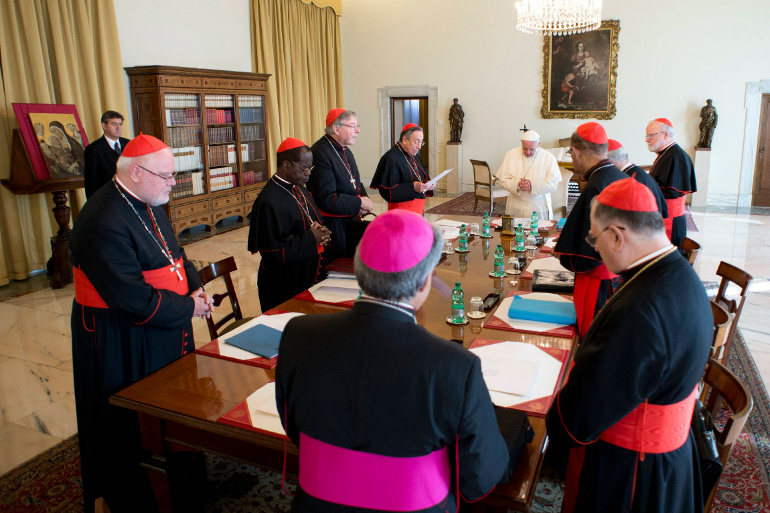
423 187
366 206
204 304
525 185
321 233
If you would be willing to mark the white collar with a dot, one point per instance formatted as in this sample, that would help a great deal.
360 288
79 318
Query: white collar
649 257
127 189
113 141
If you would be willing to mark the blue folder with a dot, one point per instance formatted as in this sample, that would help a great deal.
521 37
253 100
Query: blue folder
260 339
561 222
543 311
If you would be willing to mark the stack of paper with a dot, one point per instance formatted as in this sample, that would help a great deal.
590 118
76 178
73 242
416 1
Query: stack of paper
257 413
449 228
342 290
547 262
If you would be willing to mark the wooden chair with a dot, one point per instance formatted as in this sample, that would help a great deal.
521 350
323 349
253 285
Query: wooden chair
721 329
720 386
691 250
732 274
222 269
484 186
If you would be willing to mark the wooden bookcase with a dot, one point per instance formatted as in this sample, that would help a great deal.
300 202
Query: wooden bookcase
216 125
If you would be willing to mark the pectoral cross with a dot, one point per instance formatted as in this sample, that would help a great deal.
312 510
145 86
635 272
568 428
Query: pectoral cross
353 182
175 267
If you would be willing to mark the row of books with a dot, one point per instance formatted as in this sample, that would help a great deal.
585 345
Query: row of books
179 100
183 136
220 134
250 177
222 178
219 100
189 184
251 115
183 117
250 101
222 155
254 150
187 158
215 116
250 132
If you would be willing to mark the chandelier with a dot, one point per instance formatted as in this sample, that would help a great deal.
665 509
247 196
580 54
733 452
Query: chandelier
558 17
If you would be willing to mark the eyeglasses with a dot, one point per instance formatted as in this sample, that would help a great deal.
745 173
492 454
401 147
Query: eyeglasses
649 136
303 168
591 239
417 142
354 127
172 176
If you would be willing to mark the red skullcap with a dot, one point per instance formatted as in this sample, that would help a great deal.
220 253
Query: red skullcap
332 116
613 145
628 194
592 132
408 126
665 122
143 145
289 144
395 241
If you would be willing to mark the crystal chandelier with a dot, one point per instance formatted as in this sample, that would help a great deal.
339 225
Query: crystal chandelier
558 17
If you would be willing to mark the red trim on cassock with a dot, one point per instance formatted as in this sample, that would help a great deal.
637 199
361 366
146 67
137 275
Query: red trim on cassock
675 209
585 295
416 205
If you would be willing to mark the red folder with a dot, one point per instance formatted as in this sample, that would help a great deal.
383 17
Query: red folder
497 323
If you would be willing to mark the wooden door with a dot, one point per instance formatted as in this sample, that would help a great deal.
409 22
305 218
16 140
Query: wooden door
410 110
761 191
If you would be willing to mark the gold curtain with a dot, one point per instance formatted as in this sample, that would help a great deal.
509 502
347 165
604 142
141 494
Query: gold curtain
51 51
300 46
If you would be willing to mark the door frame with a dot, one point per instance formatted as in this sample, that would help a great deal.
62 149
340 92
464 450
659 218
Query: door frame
753 105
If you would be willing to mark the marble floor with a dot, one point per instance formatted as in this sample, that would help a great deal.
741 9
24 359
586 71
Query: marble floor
37 406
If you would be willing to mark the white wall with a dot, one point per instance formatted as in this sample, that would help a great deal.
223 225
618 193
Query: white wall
673 56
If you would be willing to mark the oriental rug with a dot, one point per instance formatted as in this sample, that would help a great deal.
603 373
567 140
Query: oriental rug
51 481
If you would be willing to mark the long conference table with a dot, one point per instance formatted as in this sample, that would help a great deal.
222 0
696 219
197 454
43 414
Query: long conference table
178 406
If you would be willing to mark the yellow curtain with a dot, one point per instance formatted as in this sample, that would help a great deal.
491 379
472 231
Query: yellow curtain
300 46
51 51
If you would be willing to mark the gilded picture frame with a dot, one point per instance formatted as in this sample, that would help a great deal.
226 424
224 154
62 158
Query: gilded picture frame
580 73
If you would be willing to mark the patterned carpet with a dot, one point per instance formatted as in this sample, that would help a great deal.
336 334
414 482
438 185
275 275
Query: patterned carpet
51 481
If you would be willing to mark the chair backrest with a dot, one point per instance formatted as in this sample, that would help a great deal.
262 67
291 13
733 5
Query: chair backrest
732 274
482 175
222 269
559 197
556 152
691 250
721 329
722 386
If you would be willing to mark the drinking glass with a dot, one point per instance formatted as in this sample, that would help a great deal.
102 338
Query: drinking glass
476 308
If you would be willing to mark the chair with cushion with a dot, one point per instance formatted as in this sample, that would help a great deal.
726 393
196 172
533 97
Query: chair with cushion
721 329
484 185
558 153
721 386
732 274
691 250
222 269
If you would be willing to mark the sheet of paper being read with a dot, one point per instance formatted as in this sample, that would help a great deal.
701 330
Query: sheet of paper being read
439 177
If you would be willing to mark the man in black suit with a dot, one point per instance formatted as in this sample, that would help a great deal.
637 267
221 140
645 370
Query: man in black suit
102 154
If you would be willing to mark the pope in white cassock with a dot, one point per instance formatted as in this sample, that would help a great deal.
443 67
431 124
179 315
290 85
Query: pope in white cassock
530 175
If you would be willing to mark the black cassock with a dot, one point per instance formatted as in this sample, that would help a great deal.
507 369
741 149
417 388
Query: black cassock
650 342
643 178
280 231
370 379
142 330
573 251
675 174
331 187
394 178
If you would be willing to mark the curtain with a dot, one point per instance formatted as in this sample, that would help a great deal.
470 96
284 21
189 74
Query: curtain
51 51
299 45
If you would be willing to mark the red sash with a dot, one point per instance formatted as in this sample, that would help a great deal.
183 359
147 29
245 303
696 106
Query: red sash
416 205
648 428
585 294
163 278
675 209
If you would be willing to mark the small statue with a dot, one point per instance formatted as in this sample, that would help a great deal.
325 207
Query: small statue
456 116
708 122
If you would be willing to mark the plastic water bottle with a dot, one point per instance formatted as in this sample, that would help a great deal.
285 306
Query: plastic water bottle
458 304
519 239
499 261
533 224
485 225
463 239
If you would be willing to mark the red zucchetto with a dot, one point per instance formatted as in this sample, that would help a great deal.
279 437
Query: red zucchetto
613 145
592 132
332 116
628 194
143 145
408 126
289 144
665 122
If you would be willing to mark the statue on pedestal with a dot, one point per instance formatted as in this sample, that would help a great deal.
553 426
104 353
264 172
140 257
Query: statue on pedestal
456 116
708 122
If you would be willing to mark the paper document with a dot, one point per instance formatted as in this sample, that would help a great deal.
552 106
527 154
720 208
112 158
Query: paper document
439 177
335 290
510 376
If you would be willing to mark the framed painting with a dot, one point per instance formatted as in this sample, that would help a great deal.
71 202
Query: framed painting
580 73
54 138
